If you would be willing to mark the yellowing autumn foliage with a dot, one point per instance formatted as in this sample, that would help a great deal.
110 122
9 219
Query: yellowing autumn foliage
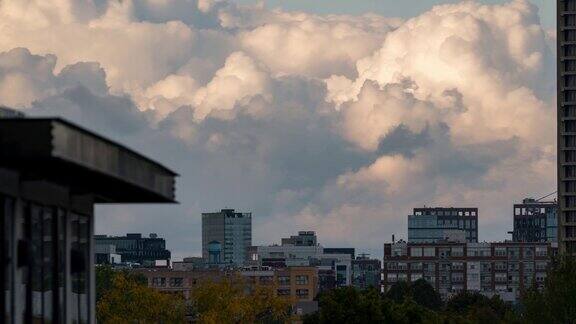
231 301
129 301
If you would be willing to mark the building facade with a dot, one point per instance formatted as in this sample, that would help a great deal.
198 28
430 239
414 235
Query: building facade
226 237
52 173
189 264
489 268
432 224
180 282
134 248
106 254
566 114
366 272
297 284
304 238
335 269
294 283
535 221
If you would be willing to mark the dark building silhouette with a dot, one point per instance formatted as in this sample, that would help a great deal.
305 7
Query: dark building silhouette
535 221
135 248
52 173
566 38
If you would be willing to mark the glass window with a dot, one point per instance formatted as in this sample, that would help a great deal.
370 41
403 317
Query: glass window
283 292
6 218
429 252
176 282
284 280
47 264
415 252
35 214
159 282
79 266
301 280
541 250
84 239
74 267
302 293
500 251
61 277
457 251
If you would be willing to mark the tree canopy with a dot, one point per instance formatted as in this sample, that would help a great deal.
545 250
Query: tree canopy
124 298
232 301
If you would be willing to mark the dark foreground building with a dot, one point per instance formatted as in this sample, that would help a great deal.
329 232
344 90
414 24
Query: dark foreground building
566 37
52 173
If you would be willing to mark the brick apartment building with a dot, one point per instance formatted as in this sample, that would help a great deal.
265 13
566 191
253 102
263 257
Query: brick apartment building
503 268
298 284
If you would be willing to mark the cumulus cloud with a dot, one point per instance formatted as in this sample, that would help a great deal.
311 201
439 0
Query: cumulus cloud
339 124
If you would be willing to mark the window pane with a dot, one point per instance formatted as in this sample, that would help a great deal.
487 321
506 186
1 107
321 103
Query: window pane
83 239
47 264
61 232
20 300
6 217
36 260
75 265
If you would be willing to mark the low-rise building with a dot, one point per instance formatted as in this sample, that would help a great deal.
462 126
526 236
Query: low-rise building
336 262
188 264
297 284
180 282
106 254
503 268
134 248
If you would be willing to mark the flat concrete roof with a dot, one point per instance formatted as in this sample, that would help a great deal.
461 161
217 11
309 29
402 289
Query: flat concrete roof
62 152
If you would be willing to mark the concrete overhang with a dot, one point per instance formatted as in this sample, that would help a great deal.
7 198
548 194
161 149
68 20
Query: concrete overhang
59 151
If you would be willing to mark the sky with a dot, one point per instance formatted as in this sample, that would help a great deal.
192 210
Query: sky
312 115
390 8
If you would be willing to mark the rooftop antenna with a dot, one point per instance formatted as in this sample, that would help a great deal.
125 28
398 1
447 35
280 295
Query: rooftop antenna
548 195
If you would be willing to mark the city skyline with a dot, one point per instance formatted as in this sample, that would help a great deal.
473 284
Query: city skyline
335 123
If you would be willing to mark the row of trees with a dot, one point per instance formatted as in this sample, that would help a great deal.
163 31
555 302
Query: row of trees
123 297
418 302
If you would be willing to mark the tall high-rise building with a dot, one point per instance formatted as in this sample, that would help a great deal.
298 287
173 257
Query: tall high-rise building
433 224
226 237
535 221
566 38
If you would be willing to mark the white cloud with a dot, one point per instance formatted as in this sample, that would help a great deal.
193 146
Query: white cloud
240 79
338 124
